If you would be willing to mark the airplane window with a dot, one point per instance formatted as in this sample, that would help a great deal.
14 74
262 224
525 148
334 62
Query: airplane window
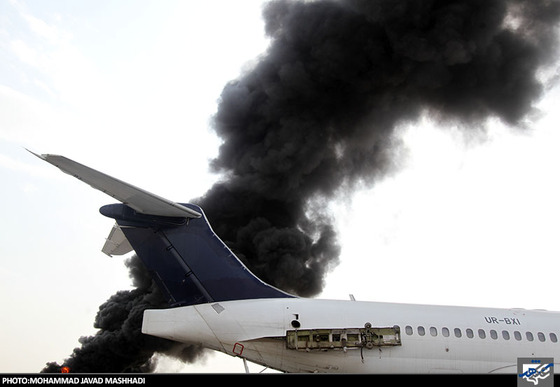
421 331
433 331
529 336
505 335
408 330
481 333
445 332
457 332
470 334
541 336
493 334
553 338
517 335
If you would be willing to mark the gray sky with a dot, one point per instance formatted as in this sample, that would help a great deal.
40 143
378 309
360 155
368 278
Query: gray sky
129 87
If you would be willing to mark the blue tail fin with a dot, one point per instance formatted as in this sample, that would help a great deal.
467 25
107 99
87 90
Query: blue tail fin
190 264
188 261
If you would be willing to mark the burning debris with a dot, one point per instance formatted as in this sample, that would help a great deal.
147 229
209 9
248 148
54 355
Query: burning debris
119 345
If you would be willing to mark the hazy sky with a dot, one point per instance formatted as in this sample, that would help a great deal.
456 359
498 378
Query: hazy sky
128 88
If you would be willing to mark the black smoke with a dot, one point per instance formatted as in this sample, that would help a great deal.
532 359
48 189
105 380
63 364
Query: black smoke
317 116
119 345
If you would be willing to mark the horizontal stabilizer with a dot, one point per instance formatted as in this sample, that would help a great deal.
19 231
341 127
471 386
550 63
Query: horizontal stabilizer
188 262
138 199
116 243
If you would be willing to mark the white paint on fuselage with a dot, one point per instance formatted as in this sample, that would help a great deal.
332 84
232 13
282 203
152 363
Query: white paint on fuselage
255 329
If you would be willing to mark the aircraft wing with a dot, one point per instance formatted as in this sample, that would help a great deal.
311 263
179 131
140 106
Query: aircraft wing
138 199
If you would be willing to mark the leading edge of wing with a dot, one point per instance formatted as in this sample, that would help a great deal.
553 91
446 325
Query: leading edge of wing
138 199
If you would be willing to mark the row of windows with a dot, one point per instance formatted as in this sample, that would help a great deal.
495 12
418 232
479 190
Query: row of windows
506 335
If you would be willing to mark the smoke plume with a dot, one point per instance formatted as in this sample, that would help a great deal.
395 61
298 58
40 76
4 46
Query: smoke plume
317 115
119 345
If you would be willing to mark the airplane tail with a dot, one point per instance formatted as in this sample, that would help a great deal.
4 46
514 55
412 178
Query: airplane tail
184 256
187 260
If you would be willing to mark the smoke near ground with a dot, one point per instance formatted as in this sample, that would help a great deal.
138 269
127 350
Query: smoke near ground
317 117
119 345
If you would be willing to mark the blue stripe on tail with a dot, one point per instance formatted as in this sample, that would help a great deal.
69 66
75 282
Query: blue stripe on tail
187 260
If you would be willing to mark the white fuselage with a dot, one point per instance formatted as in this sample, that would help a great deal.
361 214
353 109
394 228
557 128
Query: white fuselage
432 339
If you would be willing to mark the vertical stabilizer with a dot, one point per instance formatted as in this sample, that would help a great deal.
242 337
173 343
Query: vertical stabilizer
186 259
